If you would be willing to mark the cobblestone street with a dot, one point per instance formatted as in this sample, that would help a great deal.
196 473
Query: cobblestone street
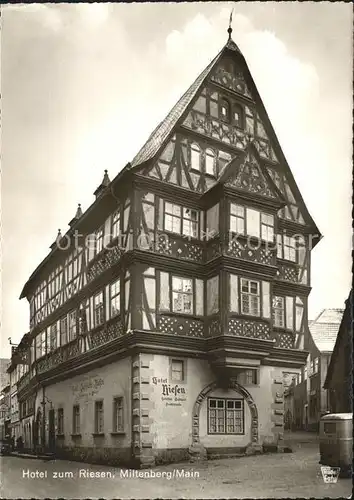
289 475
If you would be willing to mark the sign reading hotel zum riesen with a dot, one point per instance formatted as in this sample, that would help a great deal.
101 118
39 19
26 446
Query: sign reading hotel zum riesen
171 394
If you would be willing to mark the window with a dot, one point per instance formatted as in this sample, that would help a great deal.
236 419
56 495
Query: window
98 309
53 337
72 326
172 217
195 157
63 330
305 373
316 365
190 222
237 115
278 311
76 419
251 222
84 317
286 247
247 377
237 219
60 421
177 370
224 110
118 421
225 416
267 227
250 297
210 162
99 240
116 224
182 295
181 220
114 298
99 417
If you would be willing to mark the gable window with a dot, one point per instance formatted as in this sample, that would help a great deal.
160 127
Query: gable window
210 162
225 416
195 157
177 370
76 419
98 309
250 297
118 422
114 299
224 110
182 295
99 424
60 421
181 220
237 115
278 311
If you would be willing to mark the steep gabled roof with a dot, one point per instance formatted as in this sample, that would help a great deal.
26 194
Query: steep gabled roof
162 131
324 329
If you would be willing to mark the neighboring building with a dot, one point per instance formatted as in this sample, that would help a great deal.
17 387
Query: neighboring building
17 368
5 412
176 338
307 396
339 380
4 378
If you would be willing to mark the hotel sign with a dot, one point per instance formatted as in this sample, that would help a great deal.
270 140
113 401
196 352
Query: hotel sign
171 394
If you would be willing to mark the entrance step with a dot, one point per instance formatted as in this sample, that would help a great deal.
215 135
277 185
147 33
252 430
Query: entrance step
219 456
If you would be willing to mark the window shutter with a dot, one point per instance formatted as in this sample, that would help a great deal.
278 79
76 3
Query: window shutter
266 299
164 292
233 293
289 307
199 291
213 221
160 215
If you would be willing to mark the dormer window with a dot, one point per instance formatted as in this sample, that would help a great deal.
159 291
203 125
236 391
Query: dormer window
224 110
195 157
210 160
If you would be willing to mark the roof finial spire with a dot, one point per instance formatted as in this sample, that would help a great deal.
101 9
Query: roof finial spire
229 30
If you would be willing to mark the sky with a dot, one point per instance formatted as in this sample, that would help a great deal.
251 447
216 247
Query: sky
84 85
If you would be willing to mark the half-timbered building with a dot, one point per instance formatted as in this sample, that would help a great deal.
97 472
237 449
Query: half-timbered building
163 321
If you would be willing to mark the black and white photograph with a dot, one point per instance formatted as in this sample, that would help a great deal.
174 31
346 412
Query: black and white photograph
176 250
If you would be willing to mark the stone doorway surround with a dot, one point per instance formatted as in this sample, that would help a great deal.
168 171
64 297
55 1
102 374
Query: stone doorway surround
197 450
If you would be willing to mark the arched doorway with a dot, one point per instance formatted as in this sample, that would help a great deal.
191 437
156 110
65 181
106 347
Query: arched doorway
232 384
